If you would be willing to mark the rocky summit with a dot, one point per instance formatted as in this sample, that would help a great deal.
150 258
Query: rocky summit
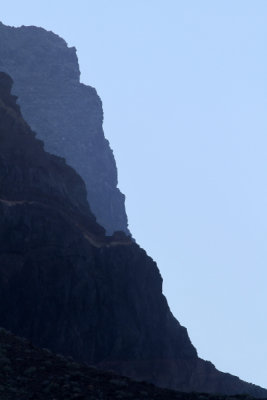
68 287
64 113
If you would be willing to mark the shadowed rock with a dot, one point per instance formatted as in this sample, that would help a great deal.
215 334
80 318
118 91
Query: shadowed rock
66 286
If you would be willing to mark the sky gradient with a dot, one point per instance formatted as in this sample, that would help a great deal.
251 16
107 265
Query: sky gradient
183 85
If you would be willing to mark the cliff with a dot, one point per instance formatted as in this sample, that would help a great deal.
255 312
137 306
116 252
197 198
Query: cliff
68 287
64 113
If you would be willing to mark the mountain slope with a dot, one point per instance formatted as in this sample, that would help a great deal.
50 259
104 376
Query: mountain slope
28 372
64 113
72 289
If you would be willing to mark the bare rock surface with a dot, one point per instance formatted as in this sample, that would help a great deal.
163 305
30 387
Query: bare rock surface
66 114
66 286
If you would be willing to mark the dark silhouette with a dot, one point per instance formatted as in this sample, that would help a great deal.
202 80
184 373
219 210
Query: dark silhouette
66 286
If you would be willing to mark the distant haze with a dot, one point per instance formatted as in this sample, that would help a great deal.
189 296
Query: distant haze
183 85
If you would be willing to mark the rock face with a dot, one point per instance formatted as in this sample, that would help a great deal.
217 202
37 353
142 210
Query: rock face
64 113
68 287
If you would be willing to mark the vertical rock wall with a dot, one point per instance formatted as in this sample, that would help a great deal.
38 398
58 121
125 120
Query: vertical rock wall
65 114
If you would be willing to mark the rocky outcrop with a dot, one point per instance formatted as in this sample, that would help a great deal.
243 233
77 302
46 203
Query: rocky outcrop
64 113
28 372
68 287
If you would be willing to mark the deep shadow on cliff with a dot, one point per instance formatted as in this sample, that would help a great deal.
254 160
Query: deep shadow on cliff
68 287
31 373
66 114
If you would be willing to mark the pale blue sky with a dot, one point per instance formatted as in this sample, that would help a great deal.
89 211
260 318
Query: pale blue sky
183 84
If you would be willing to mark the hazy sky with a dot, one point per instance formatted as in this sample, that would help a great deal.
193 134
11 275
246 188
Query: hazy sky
183 84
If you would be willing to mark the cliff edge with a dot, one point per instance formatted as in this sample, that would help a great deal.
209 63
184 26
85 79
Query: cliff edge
68 287
66 114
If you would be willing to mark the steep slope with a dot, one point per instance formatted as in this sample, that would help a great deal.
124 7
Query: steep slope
28 372
68 287
64 113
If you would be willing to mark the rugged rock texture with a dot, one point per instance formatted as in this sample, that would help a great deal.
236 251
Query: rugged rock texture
64 113
28 372
68 287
